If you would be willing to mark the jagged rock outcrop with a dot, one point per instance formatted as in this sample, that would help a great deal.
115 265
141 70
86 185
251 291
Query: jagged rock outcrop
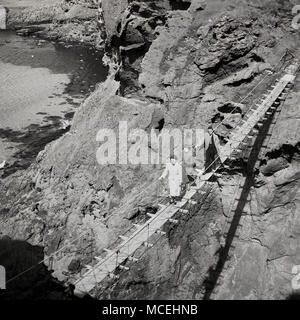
112 11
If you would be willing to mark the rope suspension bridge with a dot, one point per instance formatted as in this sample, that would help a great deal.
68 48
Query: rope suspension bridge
239 140
147 234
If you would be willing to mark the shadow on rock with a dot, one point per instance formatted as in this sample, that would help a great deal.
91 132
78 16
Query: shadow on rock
294 296
37 283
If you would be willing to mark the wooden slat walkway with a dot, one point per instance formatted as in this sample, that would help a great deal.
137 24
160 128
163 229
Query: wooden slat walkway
239 135
142 234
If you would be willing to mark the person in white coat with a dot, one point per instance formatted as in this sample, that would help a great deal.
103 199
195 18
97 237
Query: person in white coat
174 172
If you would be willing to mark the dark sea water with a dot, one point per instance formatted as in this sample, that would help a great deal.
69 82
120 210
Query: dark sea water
41 85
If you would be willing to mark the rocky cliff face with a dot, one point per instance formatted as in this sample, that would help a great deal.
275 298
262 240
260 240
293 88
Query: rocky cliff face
181 64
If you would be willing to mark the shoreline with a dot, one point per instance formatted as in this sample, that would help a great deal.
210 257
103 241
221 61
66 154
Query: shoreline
38 111
60 22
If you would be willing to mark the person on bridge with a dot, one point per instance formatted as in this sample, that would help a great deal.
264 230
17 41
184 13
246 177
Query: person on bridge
211 147
207 155
175 174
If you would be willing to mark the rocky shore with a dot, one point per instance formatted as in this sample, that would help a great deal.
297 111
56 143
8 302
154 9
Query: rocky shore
65 21
182 64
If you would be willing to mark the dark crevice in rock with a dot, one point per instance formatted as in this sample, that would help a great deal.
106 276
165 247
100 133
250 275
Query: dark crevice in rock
157 121
256 58
140 215
286 151
155 99
160 125
240 82
180 4
223 70
217 118
129 73
230 108
142 283
279 159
